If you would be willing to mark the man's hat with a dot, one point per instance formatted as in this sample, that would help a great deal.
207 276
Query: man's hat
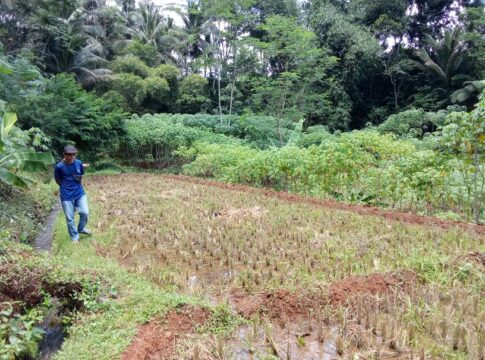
69 149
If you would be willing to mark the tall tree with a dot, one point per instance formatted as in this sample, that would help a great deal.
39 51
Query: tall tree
356 48
149 24
298 83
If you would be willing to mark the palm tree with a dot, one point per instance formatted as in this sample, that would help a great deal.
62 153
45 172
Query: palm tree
198 28
103 28
443 57
150 27
149 23
82 39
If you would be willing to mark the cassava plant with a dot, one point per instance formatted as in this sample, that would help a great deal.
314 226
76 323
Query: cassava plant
465 135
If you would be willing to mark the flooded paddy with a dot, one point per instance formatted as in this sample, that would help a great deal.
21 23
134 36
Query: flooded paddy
310 282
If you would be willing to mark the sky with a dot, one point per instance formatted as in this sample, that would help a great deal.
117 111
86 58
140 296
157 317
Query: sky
171 3
166 4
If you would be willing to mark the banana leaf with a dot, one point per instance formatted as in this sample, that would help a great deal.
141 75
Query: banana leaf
6 124
13 179
27 161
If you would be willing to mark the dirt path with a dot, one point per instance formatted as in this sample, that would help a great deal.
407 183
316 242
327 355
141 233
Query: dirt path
332 204
43 240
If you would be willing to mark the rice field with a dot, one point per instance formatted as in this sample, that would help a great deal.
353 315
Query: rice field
310 282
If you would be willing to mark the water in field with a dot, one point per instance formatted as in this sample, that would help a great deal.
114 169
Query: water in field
292 341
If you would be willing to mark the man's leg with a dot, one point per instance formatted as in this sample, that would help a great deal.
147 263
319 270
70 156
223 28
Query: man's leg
83 209
68 207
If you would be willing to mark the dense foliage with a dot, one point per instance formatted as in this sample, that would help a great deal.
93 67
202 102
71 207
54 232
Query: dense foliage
61 109
153 140
333 63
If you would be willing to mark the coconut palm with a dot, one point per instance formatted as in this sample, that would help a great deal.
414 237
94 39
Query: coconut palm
104 28
149 24
72 37
198 28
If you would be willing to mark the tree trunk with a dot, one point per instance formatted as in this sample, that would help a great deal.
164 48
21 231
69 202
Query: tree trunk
233 82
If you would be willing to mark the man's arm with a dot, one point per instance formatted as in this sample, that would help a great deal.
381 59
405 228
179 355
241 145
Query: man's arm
57 175
83 165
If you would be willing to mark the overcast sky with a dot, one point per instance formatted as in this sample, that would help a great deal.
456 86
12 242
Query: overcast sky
170 3
165 4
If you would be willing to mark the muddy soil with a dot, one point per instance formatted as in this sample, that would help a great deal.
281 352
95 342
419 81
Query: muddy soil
342 291
28 286
478 257
286 306
158 339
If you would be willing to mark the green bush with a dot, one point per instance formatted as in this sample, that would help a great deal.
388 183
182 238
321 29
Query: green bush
261 131
415 122
133 89
68 114
194 95
158 90
314 135
152 139
147 53
167 72
130 64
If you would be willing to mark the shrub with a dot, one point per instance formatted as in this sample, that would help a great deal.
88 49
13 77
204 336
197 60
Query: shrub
410 122
193 95
361 166
158 91
152 137
133 89
130 64
146 53
167 72
67 113
415 122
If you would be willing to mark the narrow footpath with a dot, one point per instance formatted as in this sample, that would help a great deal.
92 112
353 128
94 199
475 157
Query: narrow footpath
43 240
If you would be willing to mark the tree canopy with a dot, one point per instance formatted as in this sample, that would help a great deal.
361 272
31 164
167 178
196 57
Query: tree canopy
339 64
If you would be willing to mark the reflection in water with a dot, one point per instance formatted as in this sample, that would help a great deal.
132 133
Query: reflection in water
210 277
252 343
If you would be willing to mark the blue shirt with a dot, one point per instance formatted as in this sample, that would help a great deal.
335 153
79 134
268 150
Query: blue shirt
64 173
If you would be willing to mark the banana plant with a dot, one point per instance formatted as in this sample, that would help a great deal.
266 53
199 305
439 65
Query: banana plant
5 68
13 160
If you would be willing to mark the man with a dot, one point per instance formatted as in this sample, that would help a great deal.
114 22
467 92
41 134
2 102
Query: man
68 174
